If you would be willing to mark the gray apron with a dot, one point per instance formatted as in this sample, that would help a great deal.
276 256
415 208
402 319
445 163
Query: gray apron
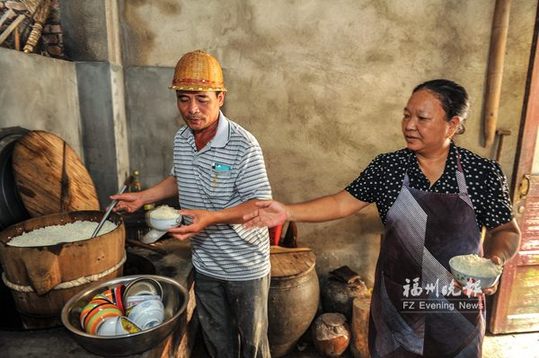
423 231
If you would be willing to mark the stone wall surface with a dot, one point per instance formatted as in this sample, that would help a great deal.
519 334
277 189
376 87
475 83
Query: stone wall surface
322 86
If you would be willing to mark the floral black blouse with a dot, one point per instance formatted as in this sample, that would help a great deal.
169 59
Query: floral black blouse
382 180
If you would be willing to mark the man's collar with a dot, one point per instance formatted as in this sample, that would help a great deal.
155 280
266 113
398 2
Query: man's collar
223 132
221 136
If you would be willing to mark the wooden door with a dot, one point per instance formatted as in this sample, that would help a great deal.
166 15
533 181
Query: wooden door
516 305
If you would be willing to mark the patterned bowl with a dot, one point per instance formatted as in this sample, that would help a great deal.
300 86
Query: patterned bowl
98 314
95 302
115 295
468 276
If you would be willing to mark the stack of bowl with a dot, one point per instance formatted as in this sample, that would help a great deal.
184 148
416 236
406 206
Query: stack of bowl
98 324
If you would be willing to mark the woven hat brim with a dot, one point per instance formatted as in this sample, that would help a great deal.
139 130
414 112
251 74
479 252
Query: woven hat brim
198 88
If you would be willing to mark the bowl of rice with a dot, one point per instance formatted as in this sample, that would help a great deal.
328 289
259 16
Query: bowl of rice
472 268
163 218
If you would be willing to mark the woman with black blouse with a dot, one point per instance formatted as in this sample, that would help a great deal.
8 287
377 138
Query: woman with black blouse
433 198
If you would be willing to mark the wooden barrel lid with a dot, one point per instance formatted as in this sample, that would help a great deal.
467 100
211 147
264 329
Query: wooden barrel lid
288 263
50 177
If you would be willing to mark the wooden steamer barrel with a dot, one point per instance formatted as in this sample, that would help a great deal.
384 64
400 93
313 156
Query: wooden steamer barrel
43 278
293 297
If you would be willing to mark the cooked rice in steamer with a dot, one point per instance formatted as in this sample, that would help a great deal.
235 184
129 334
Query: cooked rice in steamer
54 234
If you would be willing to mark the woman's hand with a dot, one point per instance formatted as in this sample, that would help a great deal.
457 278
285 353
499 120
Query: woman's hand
128 202
466 290
200 219
492 290
268 213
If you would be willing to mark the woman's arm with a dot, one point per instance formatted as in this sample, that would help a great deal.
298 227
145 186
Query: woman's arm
326 208
272 213
503 241
501 244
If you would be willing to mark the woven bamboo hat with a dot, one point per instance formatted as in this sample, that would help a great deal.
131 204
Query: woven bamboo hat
198 71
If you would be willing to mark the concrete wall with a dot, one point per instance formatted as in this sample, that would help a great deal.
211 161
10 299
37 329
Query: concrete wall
40 93
320 84
85 30
91 32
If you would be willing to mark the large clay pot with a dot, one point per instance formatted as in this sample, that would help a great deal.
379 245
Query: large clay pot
293 297
42 279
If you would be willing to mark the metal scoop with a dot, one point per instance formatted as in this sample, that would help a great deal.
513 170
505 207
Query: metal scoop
111 206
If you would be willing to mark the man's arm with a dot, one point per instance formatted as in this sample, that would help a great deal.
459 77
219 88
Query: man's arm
131 202
203 218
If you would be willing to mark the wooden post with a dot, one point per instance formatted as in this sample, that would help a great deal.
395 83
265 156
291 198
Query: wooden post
498 39
360 327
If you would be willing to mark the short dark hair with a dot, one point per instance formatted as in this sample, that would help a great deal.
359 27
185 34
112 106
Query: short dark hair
452 96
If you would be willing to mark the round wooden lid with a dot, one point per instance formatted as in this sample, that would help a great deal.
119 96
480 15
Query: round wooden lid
50 177
287 263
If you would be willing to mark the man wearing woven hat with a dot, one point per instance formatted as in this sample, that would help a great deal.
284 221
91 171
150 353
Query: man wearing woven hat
218 173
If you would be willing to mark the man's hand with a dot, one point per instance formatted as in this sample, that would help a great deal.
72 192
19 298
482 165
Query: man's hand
200 219
128 202
268 213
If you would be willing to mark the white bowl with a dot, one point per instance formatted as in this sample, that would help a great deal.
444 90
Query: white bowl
163 224
117 326
147 314
136 299
108 327
464 273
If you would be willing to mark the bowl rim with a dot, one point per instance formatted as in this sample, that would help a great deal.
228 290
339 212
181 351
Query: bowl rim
69 304
156 285
470 275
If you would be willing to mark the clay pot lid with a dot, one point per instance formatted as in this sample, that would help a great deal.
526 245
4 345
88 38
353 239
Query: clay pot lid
50 176
333 319
287 263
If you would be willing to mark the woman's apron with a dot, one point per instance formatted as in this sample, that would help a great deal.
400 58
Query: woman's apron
422 232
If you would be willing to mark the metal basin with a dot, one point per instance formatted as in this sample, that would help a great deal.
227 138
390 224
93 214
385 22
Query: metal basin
174 299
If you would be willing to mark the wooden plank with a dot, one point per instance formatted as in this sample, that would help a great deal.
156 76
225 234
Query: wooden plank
50 177
523 305
502 319
291 263
286 250
10 28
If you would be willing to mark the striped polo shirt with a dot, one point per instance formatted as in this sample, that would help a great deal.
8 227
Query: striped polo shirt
228 171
